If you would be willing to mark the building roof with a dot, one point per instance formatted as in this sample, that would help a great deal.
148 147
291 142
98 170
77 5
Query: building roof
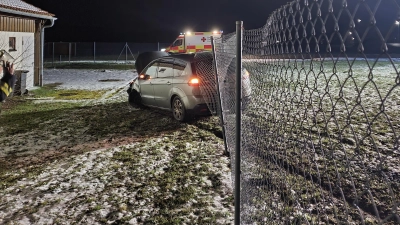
20 7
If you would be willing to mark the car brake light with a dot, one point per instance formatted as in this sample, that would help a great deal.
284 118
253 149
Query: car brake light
141 76
194 82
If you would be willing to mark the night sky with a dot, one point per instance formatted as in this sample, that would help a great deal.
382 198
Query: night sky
149 20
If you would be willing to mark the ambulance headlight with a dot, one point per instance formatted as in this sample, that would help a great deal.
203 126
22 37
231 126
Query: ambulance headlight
163 49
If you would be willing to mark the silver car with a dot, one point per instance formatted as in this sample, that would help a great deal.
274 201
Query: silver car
176 83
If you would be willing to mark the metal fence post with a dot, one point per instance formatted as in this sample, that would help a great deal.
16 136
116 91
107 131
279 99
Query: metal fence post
239 25
126 52
69 53
94 52
52 64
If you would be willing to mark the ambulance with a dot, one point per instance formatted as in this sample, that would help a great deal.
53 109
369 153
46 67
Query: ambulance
191 42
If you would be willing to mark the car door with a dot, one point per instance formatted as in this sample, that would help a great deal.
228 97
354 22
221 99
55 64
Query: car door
163 83
146 87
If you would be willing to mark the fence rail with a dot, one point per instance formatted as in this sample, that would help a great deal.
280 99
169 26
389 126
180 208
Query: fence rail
61 52
320 137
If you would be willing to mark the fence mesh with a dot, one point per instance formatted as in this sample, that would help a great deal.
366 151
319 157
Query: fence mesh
320 137
61 52
206 73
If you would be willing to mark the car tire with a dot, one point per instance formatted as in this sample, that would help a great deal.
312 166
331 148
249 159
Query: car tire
134 99
179 110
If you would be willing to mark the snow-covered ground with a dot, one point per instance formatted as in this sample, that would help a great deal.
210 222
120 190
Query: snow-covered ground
89 79
180 177
133 184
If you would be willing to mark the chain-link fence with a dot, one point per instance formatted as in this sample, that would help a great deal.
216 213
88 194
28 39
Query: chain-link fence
320 136
118 52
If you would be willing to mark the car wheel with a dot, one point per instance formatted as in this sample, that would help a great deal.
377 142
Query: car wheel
135 99
178 109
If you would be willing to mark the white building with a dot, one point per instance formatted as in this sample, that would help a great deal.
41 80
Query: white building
22 35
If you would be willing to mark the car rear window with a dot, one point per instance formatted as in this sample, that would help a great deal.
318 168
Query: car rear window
181 68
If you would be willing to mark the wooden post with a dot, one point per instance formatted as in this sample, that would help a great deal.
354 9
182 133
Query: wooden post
37 57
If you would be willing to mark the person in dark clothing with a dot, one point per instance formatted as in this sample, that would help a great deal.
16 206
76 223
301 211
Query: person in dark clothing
7 82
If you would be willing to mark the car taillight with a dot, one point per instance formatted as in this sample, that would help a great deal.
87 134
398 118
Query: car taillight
141 76
194 82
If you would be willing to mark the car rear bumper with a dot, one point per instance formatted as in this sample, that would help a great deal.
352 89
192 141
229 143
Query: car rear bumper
195 105
199 110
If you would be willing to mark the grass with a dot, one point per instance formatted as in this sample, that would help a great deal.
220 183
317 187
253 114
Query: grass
177 176
20 105
51 91
10 177
22 114
173 169
326 139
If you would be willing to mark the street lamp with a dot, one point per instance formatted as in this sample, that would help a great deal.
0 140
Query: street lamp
397 24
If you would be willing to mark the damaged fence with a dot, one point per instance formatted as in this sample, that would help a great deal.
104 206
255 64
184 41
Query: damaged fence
320 136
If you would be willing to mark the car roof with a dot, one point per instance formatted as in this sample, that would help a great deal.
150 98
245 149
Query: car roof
143 59
186 57
189 57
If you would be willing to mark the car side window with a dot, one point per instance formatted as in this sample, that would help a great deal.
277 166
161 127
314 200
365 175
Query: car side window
152 70
177 43
179 67
165 68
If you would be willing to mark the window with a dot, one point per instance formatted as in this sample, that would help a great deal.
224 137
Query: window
12 44
177 43
152 70
179 68
165 69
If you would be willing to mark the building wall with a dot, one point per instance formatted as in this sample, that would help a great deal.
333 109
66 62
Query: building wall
23 54
16 24
22 29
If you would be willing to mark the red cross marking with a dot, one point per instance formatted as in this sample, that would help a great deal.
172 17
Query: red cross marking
203 39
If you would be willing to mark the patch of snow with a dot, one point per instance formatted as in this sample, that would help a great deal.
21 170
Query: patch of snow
88 79
96 187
